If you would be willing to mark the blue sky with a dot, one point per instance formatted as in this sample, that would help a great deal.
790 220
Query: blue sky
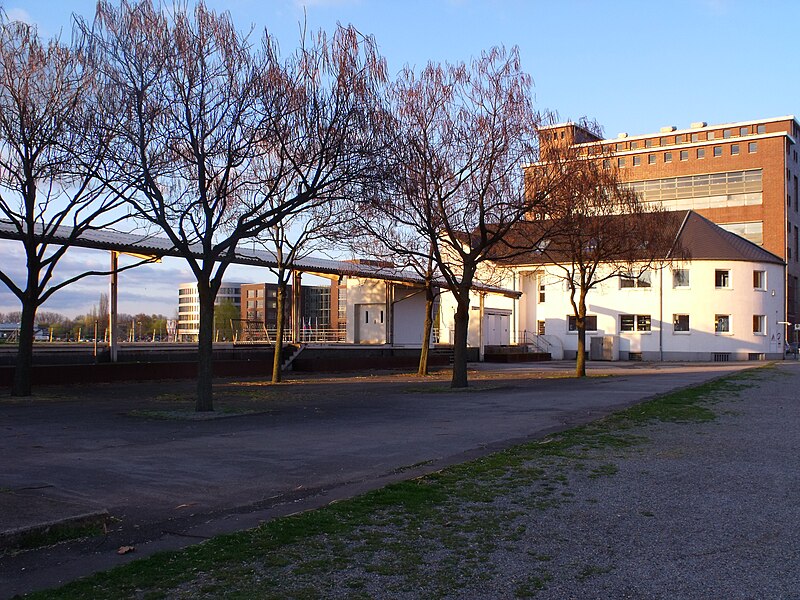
634 66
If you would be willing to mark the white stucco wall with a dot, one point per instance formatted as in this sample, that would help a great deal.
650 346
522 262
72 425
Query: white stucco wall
701 300
366 300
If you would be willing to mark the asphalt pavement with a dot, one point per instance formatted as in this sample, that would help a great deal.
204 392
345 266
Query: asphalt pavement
171 483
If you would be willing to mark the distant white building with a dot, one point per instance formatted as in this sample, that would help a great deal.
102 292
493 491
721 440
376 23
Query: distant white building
189 307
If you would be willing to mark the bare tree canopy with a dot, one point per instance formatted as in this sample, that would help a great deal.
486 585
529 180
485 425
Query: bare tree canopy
592 226
462 135
221 140
49 157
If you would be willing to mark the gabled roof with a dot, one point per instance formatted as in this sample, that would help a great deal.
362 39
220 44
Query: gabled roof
705 240
694 237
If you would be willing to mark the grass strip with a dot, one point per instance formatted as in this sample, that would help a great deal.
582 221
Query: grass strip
434 535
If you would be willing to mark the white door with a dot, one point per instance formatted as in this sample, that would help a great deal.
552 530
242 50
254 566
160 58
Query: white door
370 324
497 329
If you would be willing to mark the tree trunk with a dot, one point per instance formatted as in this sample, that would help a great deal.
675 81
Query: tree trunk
426 332
21 385
280 298
580 322
460 343
205 350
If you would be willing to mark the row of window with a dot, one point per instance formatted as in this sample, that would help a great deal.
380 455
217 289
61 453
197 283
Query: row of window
700 153
681 138
681 279
680 324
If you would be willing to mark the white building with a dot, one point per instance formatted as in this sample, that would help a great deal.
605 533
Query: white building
726 303
189 307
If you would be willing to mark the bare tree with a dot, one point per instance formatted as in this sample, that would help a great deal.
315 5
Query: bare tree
49 156
290 241
463 133
594 227
199 113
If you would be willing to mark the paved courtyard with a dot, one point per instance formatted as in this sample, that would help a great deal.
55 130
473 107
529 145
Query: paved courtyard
169 482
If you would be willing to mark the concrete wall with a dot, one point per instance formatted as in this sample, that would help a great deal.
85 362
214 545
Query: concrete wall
701 300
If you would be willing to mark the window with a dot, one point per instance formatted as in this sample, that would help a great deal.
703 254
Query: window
648 143
759 280
637 160
634 322
680 278
630 281
752 147
606 163
667 157
762 129
621 162
590 321
717 151
665 141
722 323
734 149
726 133
684 155
701 153
539 327
711 135
541 289
743 131
722 278
695 137
679 139
680 323
634 145
760 324
651 159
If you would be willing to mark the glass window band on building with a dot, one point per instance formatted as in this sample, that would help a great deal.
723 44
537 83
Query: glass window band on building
590 321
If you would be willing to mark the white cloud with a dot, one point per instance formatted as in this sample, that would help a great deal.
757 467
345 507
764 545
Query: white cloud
20 14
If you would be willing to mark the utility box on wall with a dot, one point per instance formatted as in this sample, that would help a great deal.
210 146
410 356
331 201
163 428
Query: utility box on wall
604 347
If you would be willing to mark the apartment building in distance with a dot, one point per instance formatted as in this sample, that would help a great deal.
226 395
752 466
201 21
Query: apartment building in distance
742 176
189 307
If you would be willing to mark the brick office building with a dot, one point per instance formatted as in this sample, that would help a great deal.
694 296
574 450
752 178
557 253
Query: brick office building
742 176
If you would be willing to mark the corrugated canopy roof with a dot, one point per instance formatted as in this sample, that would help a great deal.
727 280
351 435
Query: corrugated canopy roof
111 240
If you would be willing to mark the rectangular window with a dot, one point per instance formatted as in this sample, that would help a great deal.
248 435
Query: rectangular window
711 135
762 129
637 160
760 324
726 133
591 323
642 322
627 322
679 139
752 147
648 143
684 155
665 141
651 159
743 131
734 149
539 327
620 162
606 163
760 280
634 145
695 137
680 278
541 289
667 157
680 323
722 323
722 278
701 153
631 281
717 151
